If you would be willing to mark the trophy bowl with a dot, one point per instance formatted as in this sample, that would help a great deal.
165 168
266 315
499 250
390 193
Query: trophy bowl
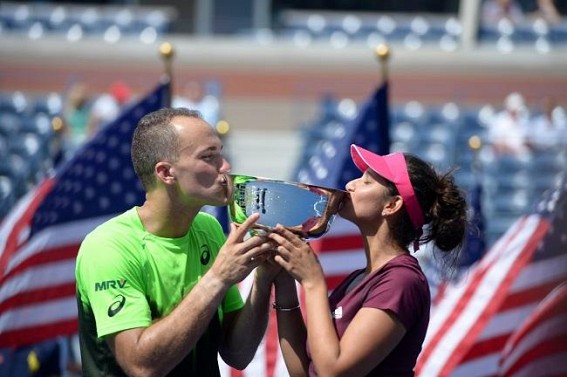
306 210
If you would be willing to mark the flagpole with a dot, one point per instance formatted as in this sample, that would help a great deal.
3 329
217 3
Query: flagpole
167 52
475 144
382 53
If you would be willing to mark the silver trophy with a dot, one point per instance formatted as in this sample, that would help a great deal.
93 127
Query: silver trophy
306 210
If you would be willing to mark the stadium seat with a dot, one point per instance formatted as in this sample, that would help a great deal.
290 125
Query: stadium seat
15 102
18 170
73 21
438 154
3 146
510 202
412 111
7 196
439 133
405 133
559 33
51 104
10 124
30 148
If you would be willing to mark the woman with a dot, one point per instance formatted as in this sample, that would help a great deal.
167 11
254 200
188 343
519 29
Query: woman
379 314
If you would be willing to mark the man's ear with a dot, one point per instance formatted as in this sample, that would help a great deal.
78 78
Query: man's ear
164 172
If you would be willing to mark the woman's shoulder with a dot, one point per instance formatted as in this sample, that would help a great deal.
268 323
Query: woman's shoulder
406 267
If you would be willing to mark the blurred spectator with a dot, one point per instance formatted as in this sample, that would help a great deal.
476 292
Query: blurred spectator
495 10
38 360
76 114
58 357
507 130
193 97
107 106
547 10
548 129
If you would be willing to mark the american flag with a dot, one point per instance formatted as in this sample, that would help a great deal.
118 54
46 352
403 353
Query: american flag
330 165
40 238
539 347
476 316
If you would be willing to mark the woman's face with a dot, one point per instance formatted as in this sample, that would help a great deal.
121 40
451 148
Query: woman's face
366 200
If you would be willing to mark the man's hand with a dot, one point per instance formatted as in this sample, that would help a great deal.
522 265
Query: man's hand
241 254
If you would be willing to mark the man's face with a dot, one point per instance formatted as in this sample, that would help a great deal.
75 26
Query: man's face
200 172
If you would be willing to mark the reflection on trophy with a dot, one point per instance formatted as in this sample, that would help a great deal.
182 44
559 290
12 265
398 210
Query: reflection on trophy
307 210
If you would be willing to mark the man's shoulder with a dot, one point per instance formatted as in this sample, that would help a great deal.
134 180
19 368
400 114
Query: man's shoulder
124 225
207 226
206 219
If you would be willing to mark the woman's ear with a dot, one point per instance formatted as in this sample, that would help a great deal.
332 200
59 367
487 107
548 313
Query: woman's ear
393 205
165 172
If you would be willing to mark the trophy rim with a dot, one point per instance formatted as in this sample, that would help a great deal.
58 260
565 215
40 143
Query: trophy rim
335 198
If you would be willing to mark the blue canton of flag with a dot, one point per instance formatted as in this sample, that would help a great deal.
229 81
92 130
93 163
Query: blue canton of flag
475 243
100 179
40 238
329 164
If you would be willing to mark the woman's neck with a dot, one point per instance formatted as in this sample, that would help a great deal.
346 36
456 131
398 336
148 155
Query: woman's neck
380 250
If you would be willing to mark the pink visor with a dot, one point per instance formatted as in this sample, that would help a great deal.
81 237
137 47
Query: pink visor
393 168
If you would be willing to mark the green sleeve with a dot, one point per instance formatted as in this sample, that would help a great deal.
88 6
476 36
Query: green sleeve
232 300
110 278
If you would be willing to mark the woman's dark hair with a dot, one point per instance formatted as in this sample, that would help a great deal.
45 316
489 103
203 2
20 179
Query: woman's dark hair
443 205
156 140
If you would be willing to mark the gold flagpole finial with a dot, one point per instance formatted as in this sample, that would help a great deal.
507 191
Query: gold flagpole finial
475 145
166 51
382 52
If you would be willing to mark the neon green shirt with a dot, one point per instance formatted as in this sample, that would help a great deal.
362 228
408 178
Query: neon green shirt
127 278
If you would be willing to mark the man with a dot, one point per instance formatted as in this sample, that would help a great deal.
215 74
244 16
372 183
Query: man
156 285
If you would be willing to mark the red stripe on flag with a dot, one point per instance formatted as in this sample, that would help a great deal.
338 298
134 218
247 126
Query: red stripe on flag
542 336
495 344
337 243
501 291
542 350
529 295
38 296
24 221
486 347
334 280
36 334
47 256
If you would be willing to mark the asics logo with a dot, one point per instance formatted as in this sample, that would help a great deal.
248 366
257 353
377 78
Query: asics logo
116 305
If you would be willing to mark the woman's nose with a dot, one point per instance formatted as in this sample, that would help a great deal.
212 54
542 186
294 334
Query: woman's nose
349 186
